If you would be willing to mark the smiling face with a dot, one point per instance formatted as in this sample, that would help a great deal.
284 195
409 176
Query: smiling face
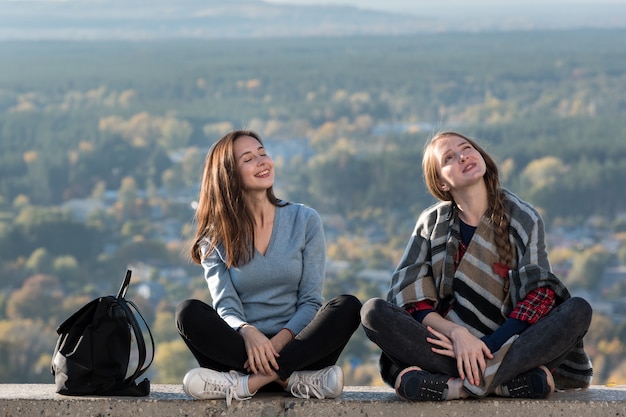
459 163
254 165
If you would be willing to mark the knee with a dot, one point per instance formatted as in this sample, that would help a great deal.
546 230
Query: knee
187 310
349 301
370 312
350 305
575 314
581 310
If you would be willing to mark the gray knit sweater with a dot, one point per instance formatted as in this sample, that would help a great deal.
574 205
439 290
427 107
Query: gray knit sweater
281 289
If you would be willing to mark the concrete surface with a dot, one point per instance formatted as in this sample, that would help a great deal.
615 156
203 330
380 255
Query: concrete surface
26 400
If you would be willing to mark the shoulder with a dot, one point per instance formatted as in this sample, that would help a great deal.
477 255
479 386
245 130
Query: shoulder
436 213
434 221
217 254
522 215
299 221
298 211
519 207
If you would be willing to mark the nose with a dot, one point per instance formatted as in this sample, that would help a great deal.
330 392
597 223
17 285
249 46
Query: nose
262 160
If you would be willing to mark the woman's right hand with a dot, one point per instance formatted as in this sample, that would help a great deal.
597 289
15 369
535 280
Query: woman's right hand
261 353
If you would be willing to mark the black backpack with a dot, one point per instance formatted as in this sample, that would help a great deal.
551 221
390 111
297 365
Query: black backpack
101 349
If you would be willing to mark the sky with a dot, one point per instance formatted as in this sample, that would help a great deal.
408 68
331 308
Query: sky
414 6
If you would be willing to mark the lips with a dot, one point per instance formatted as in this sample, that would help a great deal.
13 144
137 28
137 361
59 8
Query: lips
468 167
263 173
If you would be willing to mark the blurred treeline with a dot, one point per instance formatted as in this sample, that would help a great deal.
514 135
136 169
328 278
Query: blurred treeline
102 146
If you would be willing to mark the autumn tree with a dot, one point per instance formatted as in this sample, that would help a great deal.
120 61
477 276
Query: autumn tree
57 232
588 267
39 298
172 361
26 347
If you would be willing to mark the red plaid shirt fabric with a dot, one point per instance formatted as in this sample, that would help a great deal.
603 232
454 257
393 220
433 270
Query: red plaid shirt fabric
420 305
535 306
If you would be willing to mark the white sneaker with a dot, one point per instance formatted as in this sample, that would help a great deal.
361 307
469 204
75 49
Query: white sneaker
207 384
325 383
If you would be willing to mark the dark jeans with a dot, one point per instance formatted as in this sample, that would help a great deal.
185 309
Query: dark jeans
402 340
217 346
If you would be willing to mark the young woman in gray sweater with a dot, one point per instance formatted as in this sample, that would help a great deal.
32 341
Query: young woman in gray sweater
264 262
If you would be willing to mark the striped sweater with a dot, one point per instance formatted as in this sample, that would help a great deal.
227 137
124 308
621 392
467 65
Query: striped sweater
427 272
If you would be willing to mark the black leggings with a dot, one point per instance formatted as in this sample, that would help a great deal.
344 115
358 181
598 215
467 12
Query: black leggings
403 340
217 346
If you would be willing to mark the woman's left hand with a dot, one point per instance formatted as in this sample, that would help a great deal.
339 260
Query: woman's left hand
469 351
261 352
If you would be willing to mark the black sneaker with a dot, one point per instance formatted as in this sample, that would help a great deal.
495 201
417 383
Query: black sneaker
418 385
536 383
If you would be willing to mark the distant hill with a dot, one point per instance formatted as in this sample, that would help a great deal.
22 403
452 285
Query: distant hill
160 19
140 19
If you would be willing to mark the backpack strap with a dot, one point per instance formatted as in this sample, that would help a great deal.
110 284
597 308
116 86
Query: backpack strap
124 287
136 328
141 343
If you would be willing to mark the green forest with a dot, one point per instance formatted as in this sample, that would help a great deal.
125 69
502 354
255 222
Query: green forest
102 145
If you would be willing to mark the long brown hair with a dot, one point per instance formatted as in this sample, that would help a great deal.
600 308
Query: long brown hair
495 196
222 215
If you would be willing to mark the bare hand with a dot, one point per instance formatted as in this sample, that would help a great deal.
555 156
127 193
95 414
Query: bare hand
261 352
470 353
445 344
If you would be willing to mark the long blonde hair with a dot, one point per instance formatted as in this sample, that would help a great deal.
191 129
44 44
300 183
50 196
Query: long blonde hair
222 215
496 211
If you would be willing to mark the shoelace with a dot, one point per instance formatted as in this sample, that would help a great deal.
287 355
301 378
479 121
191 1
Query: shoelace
230 391
527 386
305 386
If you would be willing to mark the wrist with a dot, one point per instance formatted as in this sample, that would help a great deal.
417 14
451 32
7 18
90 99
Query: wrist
458 330
290 332
241 326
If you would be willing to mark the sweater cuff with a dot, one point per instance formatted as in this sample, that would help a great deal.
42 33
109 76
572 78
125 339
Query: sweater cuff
419 315
290 331
510 327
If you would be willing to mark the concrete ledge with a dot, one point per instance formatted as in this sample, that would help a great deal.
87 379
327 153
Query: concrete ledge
22 400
